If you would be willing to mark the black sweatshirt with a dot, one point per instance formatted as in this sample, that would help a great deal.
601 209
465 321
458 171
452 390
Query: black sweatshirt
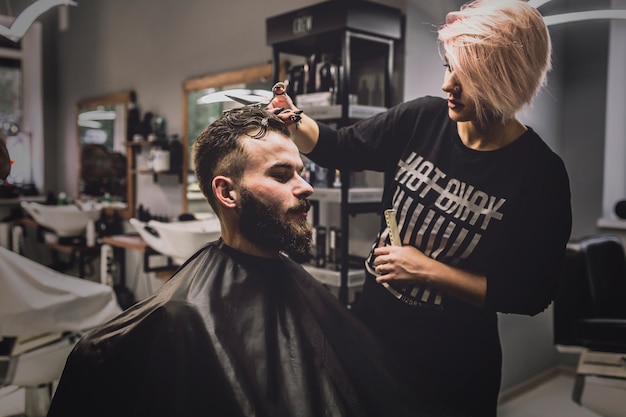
504 213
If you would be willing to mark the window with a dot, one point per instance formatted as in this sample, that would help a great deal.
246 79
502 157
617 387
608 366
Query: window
21 111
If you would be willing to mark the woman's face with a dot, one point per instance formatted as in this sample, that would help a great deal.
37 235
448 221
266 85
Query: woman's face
460 107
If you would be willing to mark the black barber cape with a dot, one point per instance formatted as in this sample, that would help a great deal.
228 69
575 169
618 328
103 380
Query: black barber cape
231 335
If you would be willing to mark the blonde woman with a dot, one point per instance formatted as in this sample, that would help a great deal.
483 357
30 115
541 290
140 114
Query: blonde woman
482 204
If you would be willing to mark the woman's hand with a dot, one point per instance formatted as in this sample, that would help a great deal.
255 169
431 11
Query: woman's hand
408 265
304 130
282 105
403 264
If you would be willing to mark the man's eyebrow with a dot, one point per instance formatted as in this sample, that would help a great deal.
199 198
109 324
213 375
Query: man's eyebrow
280 166
286 166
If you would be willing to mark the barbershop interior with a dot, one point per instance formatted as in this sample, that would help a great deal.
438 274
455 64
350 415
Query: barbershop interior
100 104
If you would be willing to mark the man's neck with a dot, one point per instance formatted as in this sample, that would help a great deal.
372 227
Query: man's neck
236 241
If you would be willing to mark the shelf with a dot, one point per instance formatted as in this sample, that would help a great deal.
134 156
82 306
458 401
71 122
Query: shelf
151 171
155 174
615 224
15 201
143 143
356 277
114 205
355 195
357 39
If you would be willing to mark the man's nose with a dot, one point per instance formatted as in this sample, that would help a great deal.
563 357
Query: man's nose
303 188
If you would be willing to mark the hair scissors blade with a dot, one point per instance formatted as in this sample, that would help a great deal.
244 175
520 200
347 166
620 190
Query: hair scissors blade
244 101
243 96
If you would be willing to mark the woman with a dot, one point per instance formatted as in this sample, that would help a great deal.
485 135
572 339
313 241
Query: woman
482 204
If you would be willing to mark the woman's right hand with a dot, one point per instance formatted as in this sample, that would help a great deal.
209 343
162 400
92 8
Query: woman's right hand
282 105
304 130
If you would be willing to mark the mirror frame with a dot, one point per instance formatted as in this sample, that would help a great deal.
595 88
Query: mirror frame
123 97
222 79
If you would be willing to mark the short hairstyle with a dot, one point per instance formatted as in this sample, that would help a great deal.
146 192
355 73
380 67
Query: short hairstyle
500 51
219 149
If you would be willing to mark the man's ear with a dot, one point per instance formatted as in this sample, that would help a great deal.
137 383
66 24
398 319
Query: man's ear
224 191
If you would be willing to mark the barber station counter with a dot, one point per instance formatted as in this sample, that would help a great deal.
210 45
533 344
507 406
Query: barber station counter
153 261
126 257
7 205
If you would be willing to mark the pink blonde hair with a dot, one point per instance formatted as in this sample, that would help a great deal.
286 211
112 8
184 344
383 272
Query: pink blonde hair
500 53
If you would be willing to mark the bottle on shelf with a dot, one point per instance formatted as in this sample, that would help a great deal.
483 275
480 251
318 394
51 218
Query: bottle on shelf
297 81
334 248
133 119
62 199
363 96
90 234
176 154
377 93
327 77
310 73
319 246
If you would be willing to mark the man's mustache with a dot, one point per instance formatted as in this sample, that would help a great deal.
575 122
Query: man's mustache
303 205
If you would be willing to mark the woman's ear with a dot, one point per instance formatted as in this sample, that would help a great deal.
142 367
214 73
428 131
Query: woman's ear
224 191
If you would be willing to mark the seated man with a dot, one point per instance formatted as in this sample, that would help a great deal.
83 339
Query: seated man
241 329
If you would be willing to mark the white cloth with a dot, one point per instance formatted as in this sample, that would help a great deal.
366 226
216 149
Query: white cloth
35 299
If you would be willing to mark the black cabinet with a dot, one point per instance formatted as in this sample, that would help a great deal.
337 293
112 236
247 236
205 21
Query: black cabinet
341 56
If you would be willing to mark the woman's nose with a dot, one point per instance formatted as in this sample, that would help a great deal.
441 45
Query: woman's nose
451 85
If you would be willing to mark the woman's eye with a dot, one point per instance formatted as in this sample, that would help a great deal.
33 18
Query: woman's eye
448 67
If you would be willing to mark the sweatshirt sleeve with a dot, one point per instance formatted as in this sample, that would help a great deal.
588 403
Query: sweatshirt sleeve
374 143
529 265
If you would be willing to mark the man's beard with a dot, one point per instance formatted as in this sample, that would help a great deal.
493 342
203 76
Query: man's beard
262 225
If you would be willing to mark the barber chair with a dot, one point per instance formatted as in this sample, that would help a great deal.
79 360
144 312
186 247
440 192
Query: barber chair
36 368
590 316
43 313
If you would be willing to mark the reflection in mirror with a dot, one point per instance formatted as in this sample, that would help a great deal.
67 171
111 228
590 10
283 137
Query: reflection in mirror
102 135
198 115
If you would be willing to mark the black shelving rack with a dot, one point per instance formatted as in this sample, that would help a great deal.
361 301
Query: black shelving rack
362 35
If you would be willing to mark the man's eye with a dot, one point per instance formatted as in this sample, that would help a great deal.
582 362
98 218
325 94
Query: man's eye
281 177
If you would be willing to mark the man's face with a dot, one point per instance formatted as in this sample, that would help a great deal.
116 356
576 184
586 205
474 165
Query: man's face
273 206
266 226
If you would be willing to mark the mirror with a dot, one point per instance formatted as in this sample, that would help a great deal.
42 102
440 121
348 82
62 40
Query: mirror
102 134
197 116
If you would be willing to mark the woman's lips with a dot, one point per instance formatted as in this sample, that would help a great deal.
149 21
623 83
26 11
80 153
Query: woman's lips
453 104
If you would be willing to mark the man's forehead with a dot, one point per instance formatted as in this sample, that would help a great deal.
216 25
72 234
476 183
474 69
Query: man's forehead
270 140
273 148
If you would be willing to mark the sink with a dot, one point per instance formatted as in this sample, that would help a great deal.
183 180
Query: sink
180 239
69 220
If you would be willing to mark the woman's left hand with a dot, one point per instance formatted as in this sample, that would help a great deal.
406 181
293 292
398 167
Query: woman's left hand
403 264
408 265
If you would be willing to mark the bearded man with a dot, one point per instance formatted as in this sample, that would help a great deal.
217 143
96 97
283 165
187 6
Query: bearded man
241 329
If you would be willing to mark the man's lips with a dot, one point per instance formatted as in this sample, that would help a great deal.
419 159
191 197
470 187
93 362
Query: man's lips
301 210
299 213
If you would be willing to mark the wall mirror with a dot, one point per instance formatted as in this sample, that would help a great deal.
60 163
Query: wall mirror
102 123
197 116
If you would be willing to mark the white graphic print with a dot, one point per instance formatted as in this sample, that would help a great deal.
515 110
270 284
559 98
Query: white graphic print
443 217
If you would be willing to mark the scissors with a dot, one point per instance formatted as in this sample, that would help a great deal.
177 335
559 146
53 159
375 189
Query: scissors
247 97
252 98
277 90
